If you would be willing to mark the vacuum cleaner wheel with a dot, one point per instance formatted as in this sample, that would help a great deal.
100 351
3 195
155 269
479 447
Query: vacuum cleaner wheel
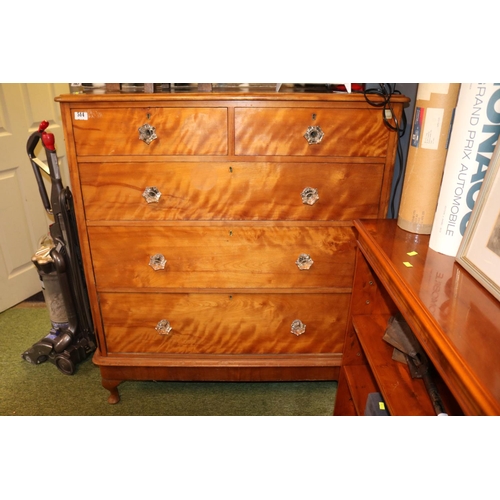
64 365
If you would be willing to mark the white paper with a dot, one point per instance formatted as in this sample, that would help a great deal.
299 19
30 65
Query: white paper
432 128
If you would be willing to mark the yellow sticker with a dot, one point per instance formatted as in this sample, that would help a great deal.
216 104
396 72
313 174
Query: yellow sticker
381 405
412 254
407 264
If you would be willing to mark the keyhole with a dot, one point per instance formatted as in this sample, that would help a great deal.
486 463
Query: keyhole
314 116
148 115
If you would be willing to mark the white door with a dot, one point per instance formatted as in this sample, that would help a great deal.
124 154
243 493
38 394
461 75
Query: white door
23 220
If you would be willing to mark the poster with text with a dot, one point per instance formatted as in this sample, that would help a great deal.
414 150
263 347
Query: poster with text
475 132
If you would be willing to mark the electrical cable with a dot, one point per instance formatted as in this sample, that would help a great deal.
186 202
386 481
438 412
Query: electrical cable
386 91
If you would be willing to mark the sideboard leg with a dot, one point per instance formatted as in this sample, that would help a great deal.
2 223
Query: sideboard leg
112 387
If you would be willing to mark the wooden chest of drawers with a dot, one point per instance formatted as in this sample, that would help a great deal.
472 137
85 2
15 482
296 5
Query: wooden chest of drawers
216 228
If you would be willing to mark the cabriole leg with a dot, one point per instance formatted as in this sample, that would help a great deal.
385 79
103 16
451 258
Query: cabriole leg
112 387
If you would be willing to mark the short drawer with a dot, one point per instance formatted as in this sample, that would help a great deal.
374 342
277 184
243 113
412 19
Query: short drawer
281 131
179 131
223 323
222 256
230 191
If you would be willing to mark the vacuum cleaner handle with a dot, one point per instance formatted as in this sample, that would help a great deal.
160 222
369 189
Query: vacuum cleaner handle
55 175
33 140
52 206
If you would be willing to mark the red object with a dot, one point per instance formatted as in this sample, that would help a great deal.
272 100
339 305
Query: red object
43 126
48 140
355 87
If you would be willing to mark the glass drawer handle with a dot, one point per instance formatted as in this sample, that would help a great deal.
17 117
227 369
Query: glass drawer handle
304 261
314 135
152 194
147 133
309 196
157 261
298 328
163 327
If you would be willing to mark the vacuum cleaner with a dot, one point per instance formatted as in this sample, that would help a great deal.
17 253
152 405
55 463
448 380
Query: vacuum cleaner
58 261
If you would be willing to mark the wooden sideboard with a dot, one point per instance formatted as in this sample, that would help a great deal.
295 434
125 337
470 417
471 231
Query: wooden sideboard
216 228
455 319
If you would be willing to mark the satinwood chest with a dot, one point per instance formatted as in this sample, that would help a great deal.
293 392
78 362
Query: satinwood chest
216 228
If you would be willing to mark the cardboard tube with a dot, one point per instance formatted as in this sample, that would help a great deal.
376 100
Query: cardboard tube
432 121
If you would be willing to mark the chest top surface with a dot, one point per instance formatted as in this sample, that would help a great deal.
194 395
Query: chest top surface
462 317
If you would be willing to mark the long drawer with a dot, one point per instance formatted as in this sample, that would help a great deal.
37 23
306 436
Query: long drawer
179 131
223 323
222 256
281 131
230 191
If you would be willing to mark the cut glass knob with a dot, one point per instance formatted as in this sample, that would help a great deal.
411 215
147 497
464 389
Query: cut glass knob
152 194
298 328
157 261
314 134
147 133
304 261
309 196
163 327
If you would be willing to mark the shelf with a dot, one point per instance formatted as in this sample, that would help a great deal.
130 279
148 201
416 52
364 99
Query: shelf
454 318
402 394
361 383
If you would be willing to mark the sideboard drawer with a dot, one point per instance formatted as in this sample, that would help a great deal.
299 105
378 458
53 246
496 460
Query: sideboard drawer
230 191
179 131
222 256
223 323
280 131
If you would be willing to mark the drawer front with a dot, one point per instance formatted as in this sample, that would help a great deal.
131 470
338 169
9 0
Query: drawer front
230 191
180 131
280 131
223 256
223 323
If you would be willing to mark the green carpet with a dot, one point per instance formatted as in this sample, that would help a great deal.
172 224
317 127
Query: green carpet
42 390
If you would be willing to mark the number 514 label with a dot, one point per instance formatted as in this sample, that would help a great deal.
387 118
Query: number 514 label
81 115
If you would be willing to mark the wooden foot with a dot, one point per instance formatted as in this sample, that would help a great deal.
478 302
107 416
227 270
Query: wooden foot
112 387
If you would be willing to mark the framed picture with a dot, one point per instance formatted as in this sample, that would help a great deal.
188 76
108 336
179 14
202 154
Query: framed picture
479 251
